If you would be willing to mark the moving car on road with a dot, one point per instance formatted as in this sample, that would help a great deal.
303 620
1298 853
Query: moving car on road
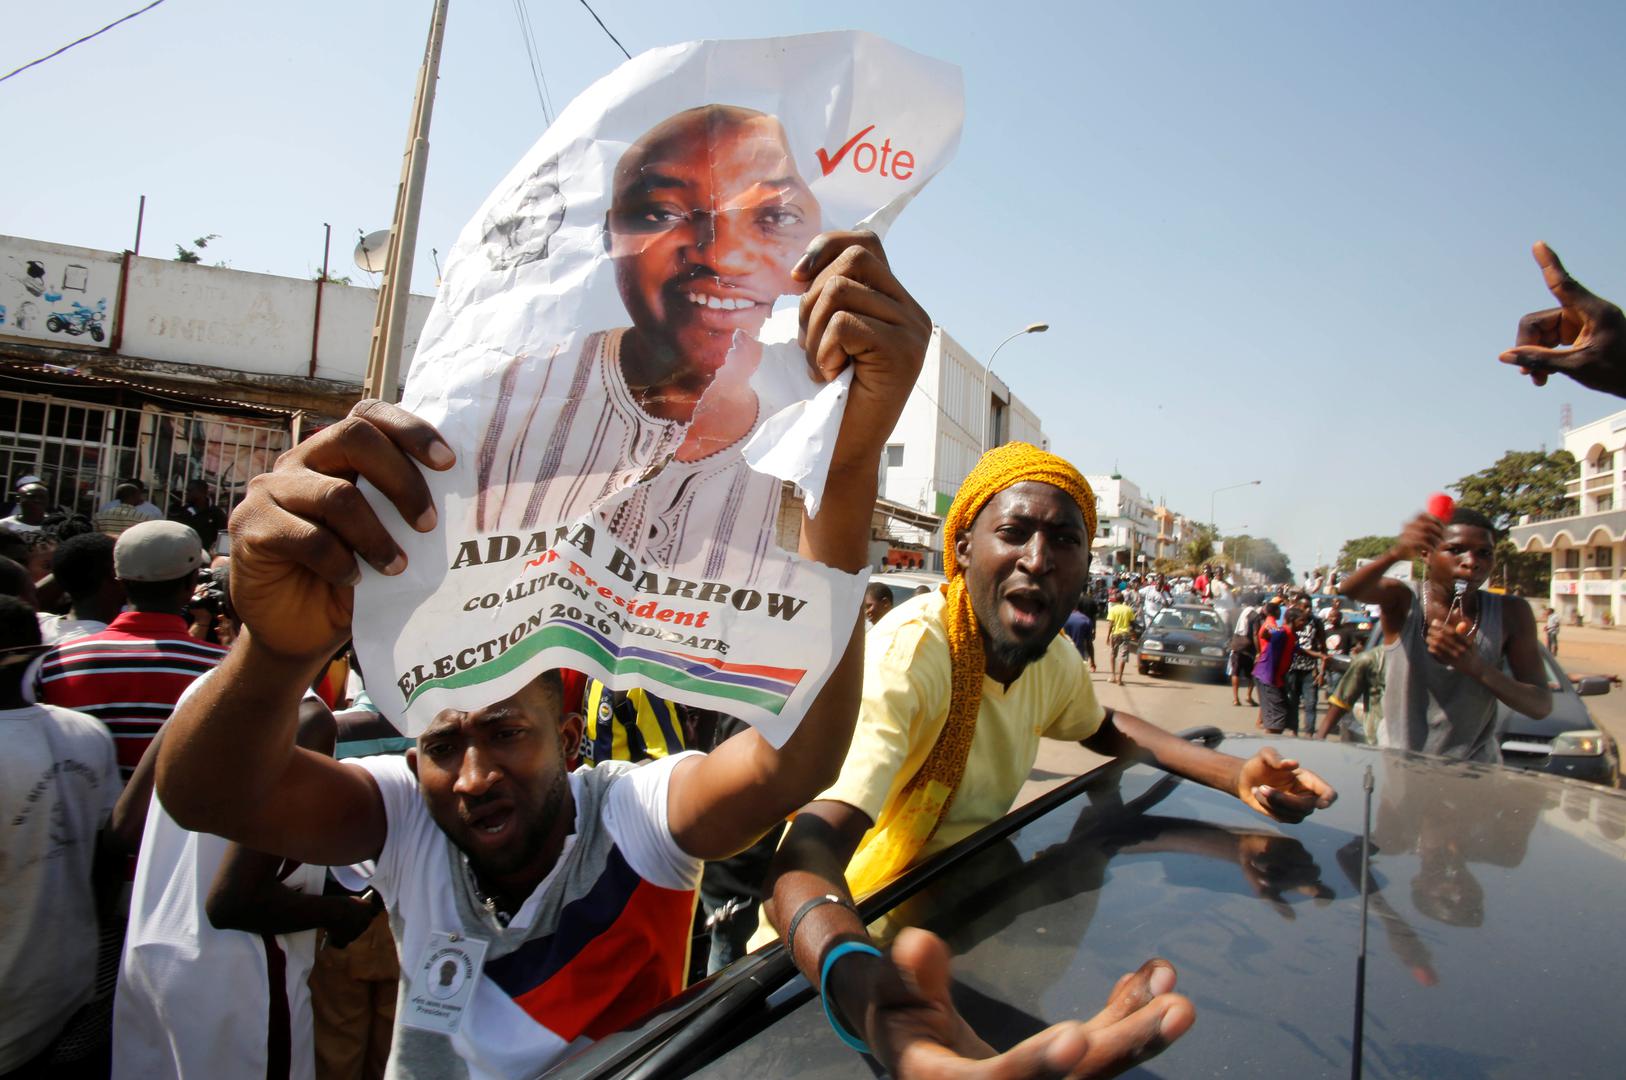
1184 636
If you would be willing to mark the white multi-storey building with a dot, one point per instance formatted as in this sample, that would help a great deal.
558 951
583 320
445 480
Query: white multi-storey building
1587 545
1126 530
944 427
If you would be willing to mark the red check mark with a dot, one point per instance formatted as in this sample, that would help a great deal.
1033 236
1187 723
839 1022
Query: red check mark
828 164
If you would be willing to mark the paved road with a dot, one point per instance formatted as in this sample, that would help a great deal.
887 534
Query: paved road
1175 703
1186 700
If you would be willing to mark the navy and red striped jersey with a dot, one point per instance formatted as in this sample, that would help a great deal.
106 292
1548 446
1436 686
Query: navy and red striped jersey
128 676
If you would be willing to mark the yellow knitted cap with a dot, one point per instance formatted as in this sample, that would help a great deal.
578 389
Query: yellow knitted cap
998 469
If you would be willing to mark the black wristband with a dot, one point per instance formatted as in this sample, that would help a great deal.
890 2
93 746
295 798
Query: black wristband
801 913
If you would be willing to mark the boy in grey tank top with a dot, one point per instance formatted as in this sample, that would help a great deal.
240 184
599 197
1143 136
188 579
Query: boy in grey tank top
1453 653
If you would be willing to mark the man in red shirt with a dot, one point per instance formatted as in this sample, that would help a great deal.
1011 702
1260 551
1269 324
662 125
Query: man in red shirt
130 675
1277 643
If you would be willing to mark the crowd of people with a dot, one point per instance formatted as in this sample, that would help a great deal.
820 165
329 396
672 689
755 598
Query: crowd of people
32 527
221 859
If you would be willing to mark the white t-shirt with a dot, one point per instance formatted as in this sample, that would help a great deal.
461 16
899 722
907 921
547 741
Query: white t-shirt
582 945
58 628
17 525
1153 600
58 783
193 1001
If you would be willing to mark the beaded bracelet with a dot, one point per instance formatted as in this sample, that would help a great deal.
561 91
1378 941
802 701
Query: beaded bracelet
830 959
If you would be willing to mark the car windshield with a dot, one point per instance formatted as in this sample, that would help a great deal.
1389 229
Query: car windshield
1189 619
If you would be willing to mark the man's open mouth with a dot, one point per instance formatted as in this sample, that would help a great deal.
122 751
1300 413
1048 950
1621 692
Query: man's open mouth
1029 608
493 821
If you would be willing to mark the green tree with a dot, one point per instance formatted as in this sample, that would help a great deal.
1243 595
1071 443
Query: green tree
1521 482
1200 548
1363 547
1258 553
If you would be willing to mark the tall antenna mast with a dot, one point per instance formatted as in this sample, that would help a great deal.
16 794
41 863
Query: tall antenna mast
1360 957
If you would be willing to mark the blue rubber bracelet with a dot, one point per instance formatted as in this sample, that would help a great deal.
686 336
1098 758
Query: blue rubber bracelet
830 959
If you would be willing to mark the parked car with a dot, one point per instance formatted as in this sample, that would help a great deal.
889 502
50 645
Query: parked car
906 583
1567 742
1187 636
1470 968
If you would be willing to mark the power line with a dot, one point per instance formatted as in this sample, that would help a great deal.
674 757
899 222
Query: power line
103 30
606 29
541 72
529 44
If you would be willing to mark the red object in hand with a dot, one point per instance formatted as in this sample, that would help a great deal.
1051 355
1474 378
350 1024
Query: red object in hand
1441 505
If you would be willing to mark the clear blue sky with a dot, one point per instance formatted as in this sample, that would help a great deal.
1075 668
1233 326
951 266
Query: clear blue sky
1274 241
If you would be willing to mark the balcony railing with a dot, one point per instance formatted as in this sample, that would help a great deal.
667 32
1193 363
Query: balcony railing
1560 515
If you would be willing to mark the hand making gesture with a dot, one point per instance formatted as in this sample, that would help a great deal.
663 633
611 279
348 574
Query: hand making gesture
1584 337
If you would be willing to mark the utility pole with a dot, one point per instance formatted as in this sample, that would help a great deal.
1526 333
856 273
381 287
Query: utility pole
389 324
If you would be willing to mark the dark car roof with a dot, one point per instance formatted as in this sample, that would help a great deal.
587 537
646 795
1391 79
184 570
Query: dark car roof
1491 946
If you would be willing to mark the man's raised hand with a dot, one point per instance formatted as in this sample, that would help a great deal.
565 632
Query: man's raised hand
1584 337
855 311
297 536
1420 536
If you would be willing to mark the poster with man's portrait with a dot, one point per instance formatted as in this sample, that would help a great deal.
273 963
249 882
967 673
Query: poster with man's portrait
613 356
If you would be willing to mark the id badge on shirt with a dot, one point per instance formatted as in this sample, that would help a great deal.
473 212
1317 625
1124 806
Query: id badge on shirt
443 982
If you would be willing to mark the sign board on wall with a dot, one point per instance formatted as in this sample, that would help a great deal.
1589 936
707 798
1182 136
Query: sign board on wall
57 295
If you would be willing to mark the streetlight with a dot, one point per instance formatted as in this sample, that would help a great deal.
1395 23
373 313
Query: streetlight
1212 523
1030 328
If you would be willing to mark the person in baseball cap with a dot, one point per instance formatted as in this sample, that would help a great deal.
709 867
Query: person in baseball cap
158 552
130 675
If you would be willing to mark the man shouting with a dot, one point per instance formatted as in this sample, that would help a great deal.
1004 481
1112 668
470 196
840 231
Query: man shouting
959 686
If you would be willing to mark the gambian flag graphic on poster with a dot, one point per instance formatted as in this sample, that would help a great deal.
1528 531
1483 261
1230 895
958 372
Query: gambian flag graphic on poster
613 356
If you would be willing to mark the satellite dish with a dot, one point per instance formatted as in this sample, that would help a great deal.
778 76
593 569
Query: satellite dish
372 251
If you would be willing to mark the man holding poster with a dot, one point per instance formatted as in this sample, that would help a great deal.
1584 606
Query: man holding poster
479 839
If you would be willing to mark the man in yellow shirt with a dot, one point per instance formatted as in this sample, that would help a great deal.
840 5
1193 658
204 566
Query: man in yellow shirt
1121 619
959 686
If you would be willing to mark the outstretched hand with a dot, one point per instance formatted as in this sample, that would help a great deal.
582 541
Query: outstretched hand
1584 337
1280 788
917 1034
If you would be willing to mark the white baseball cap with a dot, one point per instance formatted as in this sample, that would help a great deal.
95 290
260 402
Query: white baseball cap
157 551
